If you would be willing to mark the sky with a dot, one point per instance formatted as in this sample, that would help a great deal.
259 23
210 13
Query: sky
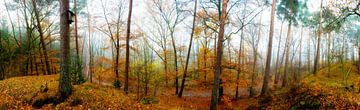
141 18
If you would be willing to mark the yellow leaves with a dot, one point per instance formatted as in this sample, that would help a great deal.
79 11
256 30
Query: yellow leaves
102 60
197 31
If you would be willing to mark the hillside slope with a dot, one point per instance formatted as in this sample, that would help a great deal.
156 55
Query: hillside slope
28 92
337 89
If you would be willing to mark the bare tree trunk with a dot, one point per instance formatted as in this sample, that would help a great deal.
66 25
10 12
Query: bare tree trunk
358 65
28 36
42 39
188 54
265 86
166 68
127 62
277 73
65 83
255 52
300 56
89 74
287 49
204 59
239 64
215 91
176 65
308 56
317 57
329 54
76 37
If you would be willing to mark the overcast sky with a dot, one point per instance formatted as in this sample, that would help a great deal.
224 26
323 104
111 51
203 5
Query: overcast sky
141 17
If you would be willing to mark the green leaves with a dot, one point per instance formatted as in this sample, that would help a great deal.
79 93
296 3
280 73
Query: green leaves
292 10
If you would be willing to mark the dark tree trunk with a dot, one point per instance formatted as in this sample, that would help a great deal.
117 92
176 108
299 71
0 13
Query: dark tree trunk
317 57
188 54
265 87
127 62
219 53
42 39
239 65
65 87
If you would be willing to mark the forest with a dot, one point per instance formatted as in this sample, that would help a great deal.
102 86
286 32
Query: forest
180 54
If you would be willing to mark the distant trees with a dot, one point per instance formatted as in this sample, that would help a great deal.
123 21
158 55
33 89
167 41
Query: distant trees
169 14
289 10
34 43
254 31
113 30
317 56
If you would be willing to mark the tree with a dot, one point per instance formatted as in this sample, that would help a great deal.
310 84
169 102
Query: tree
277 74
114 35
269 51
127 62
218 68
317 56
90 64
171 13
42 39
188 54
76 32
289 10
254 40
65 87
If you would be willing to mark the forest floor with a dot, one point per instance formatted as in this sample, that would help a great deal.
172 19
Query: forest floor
336 90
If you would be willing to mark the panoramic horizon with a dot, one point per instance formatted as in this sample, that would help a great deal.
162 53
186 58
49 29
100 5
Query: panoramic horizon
180 54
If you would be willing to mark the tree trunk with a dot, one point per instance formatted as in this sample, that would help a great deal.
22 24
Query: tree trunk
277 73
188 54
287 49
42 39
255 52
358 65
308 56
89 74
76 38
265 87
219 51
127 62
300 57
329 54
239 64
65 83
317 57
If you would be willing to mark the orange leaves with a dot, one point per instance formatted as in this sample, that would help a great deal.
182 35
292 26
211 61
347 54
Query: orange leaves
316 89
